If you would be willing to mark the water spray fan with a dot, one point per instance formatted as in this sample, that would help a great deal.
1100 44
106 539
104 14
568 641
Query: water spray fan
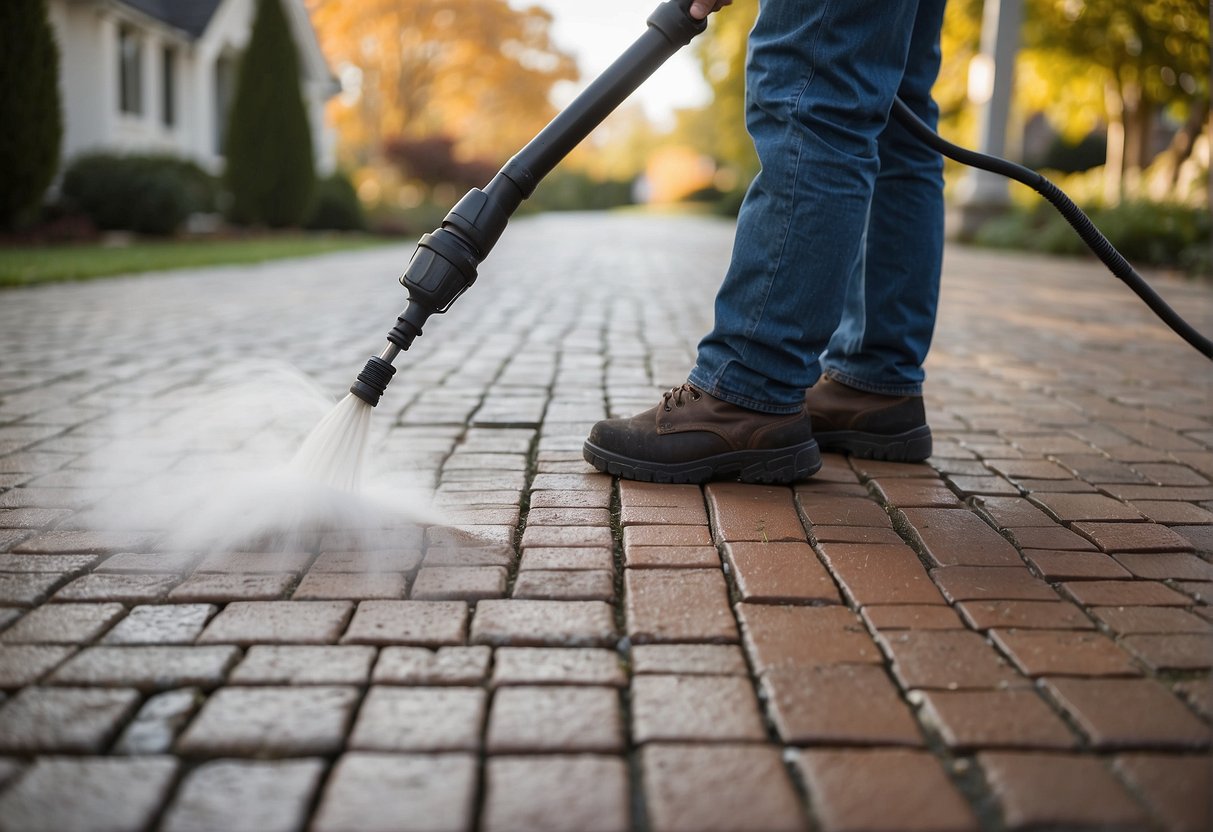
444 265
445 262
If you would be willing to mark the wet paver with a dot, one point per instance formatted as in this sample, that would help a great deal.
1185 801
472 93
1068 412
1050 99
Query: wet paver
1014 634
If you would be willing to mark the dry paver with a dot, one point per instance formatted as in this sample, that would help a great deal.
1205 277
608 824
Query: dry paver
554 793
678 605
915 793
444 666
667 708
554 719
557 666
400 719
273 796
543 623
686 659
148 667
38 802
421 623
271 722
303 664
375 792
565 585
556 558
278 622
77 720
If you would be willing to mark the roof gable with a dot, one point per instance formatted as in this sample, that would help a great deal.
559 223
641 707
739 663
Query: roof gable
190 16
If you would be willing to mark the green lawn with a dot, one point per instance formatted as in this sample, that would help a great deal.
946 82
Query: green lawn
24 266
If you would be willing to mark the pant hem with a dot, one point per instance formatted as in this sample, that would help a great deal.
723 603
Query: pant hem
912 389
714 390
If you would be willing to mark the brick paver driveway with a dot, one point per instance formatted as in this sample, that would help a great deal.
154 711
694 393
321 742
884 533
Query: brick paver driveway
1013 635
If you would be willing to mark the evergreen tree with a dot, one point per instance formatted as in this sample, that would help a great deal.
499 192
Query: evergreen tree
31 121
270 171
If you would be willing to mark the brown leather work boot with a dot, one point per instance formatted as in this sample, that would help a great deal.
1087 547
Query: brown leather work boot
868 425
692 437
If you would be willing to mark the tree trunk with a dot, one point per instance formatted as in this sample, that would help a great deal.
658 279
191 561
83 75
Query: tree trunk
1114 163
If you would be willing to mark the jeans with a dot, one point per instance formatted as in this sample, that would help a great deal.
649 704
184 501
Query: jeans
839 243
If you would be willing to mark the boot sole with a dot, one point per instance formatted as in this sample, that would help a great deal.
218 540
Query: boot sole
911 446
780 465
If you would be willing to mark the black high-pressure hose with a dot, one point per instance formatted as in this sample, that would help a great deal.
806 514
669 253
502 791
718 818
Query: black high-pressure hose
1086 229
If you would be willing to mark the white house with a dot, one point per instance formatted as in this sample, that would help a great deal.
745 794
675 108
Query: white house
141 76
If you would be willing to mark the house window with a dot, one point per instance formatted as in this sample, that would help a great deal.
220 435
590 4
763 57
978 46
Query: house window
168 104
130 71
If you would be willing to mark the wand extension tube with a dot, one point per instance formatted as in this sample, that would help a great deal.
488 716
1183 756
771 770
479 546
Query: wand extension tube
444 265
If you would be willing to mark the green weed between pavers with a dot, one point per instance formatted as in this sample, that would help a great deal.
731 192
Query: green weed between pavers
28 265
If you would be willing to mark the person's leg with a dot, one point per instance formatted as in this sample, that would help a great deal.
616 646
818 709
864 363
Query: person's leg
870 401
820 82
882 340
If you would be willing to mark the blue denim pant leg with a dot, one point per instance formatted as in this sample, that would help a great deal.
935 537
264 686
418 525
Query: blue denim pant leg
889 313
821 76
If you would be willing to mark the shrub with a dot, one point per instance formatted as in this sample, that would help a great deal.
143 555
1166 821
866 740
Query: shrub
337 207
270 172
31 121
1146 233
147 194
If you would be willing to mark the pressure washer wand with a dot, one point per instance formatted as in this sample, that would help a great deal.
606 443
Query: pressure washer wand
445 262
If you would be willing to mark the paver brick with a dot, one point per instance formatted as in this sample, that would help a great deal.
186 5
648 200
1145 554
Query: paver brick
554 719
673 708
678 605
555 793
828 510
1132 537
444 666
1124 593
880 574
24 664
1128 713
986 583
375 792
912 617
63 624
946 660
400 719
157 724
672 557
161 624
1064 652
915 793
838 704
1024 615
278 622
694 788
1174 566
1149 620
85 542
1183 651
1053 537
855 534
1036 789
557 666
417 623
965 721
759 513
272 796
271 722
354 586
566 536
375 561
1069 566
1068 508
1012 512
543 623
40 803
132 588
915 492
777 637
65 564
303 664
566 585
666 536
1176 789
780 573
454 583
28 589
219 588
685 659
77 720
959 538
556 558
147 668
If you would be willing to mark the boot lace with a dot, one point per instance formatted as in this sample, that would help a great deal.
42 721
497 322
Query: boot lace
678 395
